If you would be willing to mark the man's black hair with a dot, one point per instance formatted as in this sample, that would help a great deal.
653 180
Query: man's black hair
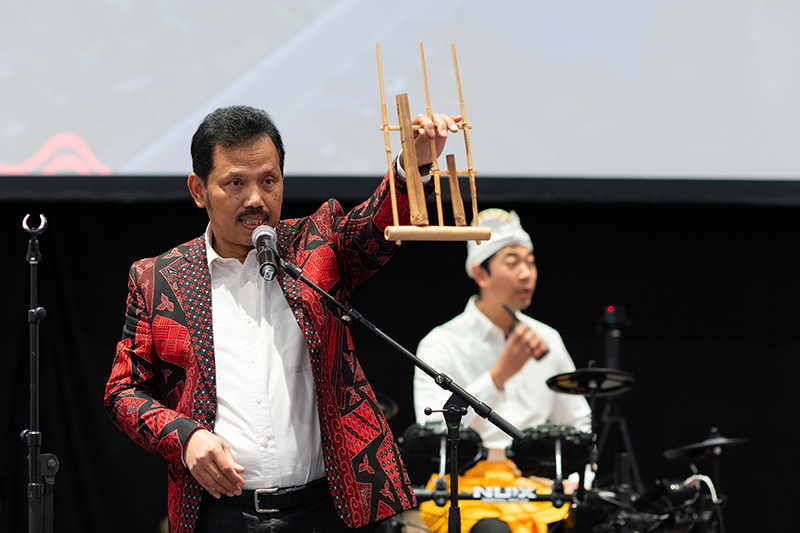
231 126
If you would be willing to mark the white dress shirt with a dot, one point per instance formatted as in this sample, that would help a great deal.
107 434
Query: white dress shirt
266 404
466 348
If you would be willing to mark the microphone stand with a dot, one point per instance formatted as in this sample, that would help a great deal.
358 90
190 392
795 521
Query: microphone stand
453 410
42 468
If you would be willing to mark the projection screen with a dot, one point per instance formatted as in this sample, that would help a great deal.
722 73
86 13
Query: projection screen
585 88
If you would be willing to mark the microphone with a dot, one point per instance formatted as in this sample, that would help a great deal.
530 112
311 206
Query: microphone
264 239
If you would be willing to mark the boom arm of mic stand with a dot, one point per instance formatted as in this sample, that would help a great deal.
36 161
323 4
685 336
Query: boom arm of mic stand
455 407
351 316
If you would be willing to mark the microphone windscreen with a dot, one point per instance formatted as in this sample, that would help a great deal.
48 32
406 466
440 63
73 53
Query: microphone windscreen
265 230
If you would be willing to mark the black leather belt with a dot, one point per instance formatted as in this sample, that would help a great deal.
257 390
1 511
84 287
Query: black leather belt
276 499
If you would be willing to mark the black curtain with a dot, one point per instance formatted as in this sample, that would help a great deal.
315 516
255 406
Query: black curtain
711 292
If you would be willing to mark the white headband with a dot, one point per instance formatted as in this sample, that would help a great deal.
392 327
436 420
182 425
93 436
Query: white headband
506 230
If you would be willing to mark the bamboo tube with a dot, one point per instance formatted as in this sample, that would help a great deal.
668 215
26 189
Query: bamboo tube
415 127
437 233
455 192
386 141
472 192
434 164
416 194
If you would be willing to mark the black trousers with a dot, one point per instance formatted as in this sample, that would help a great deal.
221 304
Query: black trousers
316 517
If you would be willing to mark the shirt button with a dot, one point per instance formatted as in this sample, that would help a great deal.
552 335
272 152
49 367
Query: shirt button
265 443
249 320
258 401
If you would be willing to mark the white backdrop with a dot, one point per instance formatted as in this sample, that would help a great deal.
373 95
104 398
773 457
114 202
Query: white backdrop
559 88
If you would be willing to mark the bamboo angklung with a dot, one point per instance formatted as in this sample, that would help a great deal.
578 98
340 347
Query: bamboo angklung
420 230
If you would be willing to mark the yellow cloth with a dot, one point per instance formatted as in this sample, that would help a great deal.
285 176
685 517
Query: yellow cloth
525 517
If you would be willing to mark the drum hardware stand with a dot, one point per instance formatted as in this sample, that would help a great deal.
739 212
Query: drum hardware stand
42 468
629 460
558 496
710 447
622 485
593 387
614 319
593 383
455 407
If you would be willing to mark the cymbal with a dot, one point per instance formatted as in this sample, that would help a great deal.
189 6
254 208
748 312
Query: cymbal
711 446
593 382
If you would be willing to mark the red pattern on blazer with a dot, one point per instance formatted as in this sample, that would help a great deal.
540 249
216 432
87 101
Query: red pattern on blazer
162 384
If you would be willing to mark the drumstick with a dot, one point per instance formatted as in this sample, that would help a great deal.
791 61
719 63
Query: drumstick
514 319
514 323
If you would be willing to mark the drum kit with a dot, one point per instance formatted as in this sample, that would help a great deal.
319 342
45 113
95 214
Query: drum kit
555 451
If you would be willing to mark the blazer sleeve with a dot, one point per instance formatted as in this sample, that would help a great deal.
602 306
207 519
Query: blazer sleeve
135 395
359 235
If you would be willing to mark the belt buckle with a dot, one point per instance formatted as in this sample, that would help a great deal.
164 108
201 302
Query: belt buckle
258 505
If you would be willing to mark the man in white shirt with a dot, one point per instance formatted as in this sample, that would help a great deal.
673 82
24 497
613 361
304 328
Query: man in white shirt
250 388
495 352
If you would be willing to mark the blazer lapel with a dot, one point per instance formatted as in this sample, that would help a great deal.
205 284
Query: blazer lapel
192 284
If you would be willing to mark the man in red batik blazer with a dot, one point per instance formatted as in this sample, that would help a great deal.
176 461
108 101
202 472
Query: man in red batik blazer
250 388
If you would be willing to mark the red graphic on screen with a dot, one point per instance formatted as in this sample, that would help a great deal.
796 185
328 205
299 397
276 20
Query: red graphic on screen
65 153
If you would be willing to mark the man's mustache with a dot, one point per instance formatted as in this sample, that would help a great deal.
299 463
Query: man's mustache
254 212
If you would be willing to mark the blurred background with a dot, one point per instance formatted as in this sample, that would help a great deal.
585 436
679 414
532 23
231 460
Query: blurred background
650 148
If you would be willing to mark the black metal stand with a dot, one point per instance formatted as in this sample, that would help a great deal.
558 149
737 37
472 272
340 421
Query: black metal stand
42 468
593 450
454 411
455 407
614 319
